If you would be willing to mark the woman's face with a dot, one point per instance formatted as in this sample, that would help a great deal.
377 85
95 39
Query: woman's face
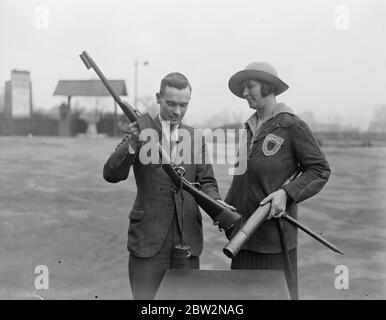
252 93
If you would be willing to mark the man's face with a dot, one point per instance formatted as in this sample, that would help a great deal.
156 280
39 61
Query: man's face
173 104
252 93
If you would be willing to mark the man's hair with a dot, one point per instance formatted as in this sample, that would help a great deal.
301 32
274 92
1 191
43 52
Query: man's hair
267 89
175 80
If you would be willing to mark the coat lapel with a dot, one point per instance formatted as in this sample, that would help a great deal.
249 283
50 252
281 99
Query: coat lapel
270 125
266 128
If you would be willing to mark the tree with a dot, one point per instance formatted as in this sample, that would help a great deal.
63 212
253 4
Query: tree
378 124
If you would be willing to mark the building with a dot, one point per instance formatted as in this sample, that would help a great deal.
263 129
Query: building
86 88
18 95
1 103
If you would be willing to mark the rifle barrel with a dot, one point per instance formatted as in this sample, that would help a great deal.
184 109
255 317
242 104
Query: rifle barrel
251 225
312 233
257 218
89 63
225 217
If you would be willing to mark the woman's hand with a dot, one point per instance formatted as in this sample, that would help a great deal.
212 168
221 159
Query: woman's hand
278 201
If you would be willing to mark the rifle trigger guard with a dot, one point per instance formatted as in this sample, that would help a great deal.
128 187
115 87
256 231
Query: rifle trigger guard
180 170
196 184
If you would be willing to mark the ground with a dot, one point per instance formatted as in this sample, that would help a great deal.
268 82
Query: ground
56 210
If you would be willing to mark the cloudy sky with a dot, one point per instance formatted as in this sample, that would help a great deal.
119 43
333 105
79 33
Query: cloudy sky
329 52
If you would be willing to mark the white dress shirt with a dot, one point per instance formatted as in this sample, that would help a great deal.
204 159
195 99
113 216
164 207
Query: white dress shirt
173 133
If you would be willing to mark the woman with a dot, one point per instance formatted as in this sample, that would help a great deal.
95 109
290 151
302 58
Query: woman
278 144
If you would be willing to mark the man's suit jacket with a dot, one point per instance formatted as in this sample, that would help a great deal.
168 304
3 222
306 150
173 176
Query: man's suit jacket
152 212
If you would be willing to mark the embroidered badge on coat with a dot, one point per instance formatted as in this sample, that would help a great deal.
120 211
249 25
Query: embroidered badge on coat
272 144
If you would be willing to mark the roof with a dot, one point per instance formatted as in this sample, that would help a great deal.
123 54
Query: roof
88 88
19 71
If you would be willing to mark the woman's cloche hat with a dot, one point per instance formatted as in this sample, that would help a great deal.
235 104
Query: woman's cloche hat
256 71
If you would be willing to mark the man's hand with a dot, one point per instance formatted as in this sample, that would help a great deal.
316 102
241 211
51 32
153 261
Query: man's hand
278 201
132 135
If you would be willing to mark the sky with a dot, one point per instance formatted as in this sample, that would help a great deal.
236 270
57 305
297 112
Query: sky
329 52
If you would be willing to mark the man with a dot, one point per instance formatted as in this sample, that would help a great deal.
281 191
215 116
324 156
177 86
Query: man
278 144
163 217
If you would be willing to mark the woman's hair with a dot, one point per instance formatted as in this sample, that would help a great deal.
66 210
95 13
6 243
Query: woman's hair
175 80
267 88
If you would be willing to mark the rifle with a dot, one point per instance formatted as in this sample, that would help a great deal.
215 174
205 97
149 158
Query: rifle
221 215
257 218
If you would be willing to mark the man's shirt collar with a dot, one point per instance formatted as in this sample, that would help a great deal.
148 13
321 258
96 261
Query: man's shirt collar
173 129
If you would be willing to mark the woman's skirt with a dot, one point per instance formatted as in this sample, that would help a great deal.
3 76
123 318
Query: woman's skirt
248 260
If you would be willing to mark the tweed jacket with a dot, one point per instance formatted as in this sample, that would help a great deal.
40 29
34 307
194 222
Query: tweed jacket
157 197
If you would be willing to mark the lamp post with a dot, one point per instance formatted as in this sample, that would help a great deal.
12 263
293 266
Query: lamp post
136 64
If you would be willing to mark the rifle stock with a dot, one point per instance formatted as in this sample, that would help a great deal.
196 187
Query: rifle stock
221 215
